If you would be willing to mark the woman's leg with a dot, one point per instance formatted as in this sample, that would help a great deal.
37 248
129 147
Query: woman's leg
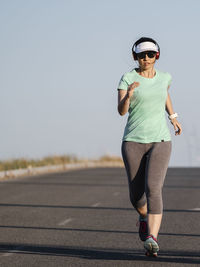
142 211
134 157
154 223
157 165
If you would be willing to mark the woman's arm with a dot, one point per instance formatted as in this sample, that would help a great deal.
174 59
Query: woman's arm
170 111
124 98
123 102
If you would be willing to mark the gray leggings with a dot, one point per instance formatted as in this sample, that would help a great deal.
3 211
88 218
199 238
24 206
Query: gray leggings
146 166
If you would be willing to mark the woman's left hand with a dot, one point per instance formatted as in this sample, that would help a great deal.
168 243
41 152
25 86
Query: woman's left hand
177 126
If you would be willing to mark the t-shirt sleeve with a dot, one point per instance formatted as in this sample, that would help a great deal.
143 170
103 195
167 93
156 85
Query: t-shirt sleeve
169 79
123 84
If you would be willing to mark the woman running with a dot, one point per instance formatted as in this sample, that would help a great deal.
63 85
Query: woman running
146 143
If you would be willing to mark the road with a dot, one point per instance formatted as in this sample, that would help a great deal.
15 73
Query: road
84 218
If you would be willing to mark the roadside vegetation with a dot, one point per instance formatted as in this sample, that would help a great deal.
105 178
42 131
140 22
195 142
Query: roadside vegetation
23 163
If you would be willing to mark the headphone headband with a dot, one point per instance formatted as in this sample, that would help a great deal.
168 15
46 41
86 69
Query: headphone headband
148 45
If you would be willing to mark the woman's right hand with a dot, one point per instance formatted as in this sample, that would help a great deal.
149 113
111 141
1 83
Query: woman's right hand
131 89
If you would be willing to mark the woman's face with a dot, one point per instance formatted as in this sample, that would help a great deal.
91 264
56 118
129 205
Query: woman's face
145 59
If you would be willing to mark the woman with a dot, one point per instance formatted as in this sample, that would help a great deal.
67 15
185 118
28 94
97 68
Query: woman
146 143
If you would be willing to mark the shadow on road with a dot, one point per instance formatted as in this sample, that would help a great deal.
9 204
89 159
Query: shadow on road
90 184
88 230
101 253
84 207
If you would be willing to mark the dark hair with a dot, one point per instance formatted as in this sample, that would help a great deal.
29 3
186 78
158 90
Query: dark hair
145 39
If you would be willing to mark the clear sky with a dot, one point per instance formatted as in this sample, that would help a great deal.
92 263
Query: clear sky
61 62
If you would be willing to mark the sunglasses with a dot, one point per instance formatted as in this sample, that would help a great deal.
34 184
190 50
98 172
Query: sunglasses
150 54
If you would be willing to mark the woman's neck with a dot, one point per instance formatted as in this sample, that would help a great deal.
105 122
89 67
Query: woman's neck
148 73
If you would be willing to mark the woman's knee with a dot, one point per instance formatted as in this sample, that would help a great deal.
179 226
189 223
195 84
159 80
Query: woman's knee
137 203
155 203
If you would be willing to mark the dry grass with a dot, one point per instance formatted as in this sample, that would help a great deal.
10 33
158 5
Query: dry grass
110 158
23 163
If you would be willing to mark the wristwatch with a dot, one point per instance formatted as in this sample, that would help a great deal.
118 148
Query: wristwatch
172 116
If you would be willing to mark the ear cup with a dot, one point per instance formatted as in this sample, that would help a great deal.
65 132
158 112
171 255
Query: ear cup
157 55
134 56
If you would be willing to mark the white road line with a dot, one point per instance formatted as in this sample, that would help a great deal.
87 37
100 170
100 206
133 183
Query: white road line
12 251
195 209
65 221
96 204
116 194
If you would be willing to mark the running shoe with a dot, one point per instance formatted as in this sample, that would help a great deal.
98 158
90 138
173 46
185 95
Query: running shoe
143 228
151 246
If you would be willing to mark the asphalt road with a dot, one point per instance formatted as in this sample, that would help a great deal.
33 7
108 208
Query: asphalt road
84 218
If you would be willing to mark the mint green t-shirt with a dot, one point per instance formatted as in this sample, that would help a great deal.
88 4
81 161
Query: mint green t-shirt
146 122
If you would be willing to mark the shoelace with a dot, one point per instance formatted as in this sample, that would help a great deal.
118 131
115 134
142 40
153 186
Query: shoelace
151 236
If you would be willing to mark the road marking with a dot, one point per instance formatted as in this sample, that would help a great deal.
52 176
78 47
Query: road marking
116 194
65 221
12 251
195 209
96 204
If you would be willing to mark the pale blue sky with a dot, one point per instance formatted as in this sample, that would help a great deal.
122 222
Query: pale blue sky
61 62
